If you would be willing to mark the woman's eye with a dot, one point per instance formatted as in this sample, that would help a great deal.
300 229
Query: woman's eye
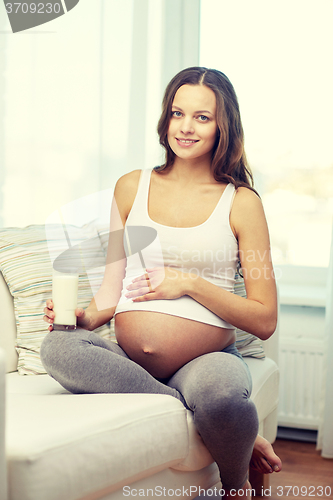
177 114
203 118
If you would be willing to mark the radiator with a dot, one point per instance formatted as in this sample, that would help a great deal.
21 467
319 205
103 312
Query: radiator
301 383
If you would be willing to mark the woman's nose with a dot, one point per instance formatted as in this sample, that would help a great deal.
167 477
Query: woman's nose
187 126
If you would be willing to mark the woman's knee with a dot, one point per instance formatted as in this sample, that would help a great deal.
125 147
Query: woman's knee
222 400
51 348
60 356
58 345
222 393
219 376
228 410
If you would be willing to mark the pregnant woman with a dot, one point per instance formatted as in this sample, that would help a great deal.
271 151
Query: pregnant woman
175 320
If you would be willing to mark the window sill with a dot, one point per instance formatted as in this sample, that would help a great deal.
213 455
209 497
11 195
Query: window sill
300 295
302 286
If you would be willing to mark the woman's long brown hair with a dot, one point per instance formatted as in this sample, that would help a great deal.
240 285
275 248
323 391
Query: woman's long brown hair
229 162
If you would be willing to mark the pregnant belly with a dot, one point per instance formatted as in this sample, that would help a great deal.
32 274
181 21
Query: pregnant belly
162 343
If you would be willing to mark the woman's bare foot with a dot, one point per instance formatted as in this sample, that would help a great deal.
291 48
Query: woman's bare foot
263 458
243 493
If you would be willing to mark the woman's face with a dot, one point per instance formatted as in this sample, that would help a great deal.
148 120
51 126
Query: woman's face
192 128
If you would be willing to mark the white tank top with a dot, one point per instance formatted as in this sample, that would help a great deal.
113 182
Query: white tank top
209 250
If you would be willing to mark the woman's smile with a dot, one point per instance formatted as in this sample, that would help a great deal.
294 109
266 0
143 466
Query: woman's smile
185 143
192 127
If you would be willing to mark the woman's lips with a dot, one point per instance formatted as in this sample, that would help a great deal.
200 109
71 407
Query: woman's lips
186 143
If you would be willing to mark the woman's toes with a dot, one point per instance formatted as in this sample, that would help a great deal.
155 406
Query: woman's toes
272 458
264 457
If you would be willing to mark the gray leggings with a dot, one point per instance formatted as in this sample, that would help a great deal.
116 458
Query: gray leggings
215 386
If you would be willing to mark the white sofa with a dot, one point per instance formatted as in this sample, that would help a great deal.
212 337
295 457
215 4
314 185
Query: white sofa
58 446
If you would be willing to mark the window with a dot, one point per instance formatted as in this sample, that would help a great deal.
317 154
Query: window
278 56
74 106
81 98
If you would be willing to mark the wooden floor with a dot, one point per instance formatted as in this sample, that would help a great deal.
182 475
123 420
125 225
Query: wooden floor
305 473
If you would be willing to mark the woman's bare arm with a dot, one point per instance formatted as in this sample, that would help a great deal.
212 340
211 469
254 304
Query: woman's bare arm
257 313
103 305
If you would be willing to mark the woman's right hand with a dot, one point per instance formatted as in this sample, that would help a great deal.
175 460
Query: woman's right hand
83 318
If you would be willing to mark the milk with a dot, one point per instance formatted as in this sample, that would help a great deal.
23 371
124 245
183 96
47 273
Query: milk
64 296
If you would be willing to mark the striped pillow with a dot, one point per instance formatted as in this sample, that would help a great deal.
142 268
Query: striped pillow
27 268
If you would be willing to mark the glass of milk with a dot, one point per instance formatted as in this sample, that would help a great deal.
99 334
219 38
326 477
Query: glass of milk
64 296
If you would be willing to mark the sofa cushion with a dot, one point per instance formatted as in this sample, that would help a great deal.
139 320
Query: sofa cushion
265 378
265 391
71 445
26 266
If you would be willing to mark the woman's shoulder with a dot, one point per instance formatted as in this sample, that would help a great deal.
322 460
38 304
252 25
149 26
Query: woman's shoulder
247 197
125 191
129 181
127 184
247 207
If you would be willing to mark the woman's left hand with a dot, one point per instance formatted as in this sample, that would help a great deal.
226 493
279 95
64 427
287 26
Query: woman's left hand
158 283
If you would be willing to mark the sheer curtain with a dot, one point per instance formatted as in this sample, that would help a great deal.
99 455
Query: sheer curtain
80 99
325 434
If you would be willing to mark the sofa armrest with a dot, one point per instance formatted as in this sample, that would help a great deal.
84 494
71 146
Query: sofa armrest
3 468
7 326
